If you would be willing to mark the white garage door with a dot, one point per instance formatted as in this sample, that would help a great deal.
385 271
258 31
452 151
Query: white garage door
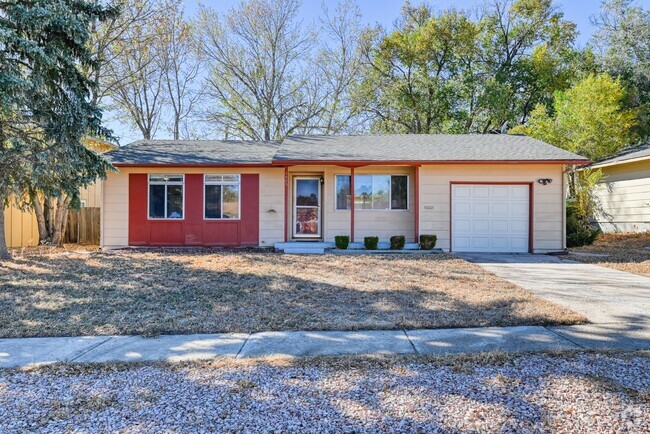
489 218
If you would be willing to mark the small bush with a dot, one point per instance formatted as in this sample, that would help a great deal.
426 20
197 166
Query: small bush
428 242
342 241
371 243
397 242
578 230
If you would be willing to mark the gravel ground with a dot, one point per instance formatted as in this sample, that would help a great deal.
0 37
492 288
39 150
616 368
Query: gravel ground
582 392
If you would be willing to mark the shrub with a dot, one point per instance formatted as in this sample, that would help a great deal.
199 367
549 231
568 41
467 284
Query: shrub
428 242
371 243
578 230
397 242
342 241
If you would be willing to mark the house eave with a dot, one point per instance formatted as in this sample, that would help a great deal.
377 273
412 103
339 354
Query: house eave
358 163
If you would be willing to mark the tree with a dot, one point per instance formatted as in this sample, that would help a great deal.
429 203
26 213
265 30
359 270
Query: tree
622 44
44 100
339 66
444 72
412 79
112 39
589 119
261 81
134 76
180 64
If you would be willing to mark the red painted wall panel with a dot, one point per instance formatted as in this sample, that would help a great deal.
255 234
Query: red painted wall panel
138 227
193 230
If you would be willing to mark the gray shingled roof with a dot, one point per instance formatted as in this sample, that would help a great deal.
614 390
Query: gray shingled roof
194 152
642 151
392 147
421 147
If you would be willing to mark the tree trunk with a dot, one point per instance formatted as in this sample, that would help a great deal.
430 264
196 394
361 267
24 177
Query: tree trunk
40 219
60 220
49 218
4 252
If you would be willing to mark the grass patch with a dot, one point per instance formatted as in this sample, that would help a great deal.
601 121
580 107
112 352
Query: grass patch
208 291
625 252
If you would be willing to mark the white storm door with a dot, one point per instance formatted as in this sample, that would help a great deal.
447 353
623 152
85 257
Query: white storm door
490 218
306 207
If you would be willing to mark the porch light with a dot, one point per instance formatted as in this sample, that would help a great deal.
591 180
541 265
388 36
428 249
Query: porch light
544 181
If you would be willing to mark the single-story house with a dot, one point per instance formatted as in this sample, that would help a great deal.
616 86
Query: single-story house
477 193
623 195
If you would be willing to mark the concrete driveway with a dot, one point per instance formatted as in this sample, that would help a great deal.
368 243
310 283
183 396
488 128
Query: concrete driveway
616 303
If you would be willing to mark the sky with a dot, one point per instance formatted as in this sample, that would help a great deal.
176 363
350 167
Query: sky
383 12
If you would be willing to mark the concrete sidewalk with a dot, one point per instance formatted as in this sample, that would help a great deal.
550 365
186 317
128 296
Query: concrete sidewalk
33 351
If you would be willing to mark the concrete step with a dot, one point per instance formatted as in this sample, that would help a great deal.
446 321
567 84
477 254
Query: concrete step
383 245
304 244
304 250
325 245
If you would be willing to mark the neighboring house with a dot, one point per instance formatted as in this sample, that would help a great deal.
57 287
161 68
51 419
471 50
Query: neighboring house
21 227
623 195
480 193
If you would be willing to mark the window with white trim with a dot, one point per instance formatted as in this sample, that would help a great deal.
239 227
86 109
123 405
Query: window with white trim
166 196
373 192
222 196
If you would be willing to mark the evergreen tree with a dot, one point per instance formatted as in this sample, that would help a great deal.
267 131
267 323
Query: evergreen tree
45 109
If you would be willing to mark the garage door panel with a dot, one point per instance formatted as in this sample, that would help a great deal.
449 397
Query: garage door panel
480 242
480 191
500 191
462 208
461 243
519 191
480 208
499 209
519 226
462 191
480 225
499 243
462 225
519 243
499 226
490 218
518 209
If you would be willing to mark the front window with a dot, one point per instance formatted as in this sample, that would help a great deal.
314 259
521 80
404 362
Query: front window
222 196
373 192
166 196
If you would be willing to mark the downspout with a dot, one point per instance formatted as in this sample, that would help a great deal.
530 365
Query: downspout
417 203
286 203
352 204
565 179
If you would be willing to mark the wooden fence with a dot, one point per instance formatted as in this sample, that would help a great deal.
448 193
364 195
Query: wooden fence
83 226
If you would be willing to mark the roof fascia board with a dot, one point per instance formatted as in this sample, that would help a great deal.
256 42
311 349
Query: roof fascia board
185 165
417 163
616 163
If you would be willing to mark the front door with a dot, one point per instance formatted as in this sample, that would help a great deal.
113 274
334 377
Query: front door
306 207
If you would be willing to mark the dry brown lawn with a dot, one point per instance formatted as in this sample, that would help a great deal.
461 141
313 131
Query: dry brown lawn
160 292
626 252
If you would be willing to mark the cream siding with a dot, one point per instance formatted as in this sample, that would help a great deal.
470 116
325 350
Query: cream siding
382 224
548 215
115 210
623 198
434 203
